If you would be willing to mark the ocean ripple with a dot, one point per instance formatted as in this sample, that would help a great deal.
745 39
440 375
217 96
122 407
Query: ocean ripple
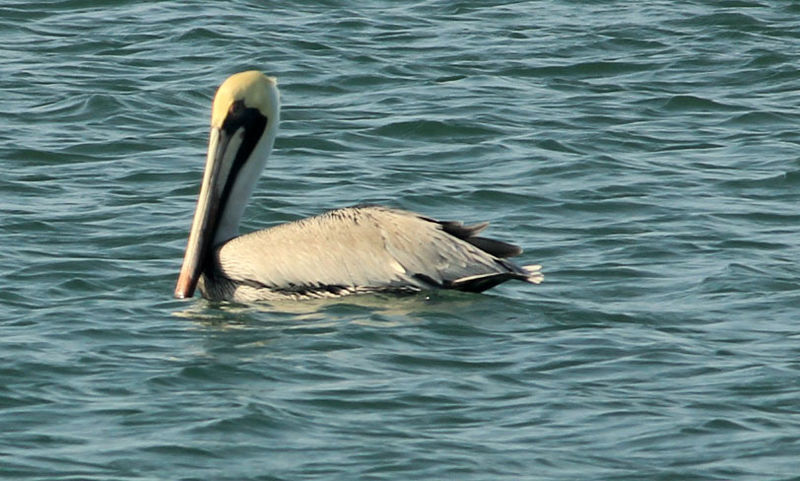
645 154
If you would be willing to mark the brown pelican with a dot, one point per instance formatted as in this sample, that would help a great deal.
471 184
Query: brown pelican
351 250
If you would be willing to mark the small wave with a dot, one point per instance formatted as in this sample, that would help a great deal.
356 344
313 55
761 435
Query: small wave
697 103
434 129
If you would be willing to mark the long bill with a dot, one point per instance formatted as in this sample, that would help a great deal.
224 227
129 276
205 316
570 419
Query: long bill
206 215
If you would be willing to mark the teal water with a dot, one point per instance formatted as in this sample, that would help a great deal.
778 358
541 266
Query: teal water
645 154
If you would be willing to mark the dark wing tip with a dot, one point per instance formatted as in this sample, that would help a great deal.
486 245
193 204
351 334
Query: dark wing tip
469 233
495 247
458 229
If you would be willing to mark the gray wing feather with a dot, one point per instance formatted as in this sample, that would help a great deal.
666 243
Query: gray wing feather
367 248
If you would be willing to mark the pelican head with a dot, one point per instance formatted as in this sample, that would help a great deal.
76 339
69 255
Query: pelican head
244 121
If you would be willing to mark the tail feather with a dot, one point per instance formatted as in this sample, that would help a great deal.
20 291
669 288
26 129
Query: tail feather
535 275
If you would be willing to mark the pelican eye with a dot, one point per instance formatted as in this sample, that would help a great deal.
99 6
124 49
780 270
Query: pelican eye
236 108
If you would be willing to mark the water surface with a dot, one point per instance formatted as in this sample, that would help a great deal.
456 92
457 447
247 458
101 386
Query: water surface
646 155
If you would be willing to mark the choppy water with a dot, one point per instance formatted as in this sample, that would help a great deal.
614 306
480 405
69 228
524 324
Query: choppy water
646 154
